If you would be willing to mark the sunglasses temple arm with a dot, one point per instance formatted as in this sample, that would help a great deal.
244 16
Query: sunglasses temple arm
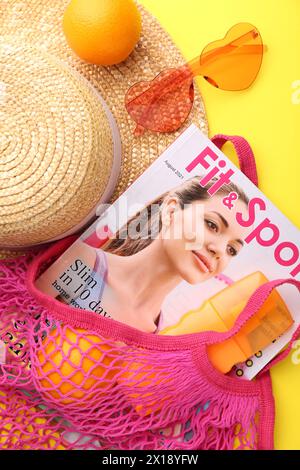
245 49
241 39
196 65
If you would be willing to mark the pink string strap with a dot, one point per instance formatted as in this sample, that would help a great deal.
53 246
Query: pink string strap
244 153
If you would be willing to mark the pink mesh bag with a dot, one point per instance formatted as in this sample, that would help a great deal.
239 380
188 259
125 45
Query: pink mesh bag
71 379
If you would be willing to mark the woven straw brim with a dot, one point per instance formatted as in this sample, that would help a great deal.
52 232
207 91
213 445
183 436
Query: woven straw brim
40 23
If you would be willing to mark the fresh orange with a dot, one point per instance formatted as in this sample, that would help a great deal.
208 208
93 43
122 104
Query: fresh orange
75 368
102 32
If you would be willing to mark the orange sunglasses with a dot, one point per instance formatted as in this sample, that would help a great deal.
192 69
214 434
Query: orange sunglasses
232 64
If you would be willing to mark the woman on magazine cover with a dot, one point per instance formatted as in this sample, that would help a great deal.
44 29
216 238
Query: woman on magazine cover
183 235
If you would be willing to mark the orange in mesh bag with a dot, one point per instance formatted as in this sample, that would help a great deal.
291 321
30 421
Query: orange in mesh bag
86 375
74 365
24 422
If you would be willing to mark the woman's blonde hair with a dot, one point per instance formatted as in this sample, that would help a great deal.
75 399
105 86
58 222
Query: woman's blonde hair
149 220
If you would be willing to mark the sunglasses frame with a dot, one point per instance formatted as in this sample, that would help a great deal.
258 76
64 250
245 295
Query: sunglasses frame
174 78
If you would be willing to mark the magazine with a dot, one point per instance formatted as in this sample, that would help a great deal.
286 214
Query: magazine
182 250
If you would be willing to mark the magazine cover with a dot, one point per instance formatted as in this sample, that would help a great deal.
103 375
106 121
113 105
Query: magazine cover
182 251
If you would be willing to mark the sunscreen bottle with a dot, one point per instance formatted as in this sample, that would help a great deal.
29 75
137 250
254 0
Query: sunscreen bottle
220 313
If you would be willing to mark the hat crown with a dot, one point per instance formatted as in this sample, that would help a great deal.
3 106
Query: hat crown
57 146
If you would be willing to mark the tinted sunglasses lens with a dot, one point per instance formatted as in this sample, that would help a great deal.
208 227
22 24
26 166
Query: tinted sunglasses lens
233 63
163 104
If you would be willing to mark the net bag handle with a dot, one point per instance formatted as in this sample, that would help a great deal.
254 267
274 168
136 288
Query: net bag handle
244 153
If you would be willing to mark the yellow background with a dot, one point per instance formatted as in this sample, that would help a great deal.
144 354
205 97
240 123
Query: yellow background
265 115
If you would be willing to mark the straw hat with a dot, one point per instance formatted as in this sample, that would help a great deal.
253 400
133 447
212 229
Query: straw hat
66 141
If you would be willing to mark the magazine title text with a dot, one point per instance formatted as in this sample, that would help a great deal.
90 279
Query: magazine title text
267 233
